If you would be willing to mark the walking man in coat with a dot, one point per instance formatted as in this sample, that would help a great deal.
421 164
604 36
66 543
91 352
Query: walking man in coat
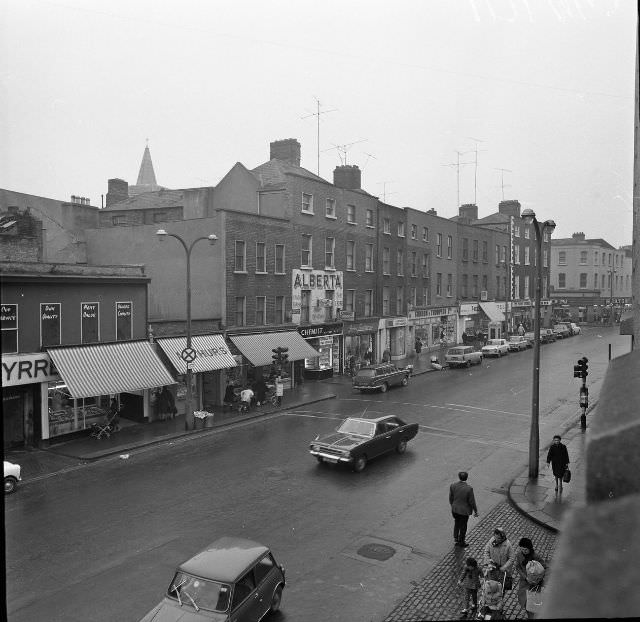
462 503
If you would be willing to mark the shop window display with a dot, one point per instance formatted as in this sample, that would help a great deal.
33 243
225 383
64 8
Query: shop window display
67 414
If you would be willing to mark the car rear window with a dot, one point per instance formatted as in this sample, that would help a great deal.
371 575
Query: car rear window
366 373
456 351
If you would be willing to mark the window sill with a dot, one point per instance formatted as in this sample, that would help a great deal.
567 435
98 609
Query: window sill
331 217
261 272
240 272
304 211
330 268
350 270
370 226
351 222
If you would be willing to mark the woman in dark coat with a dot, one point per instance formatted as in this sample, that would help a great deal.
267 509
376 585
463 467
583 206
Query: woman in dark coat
523 556
558 459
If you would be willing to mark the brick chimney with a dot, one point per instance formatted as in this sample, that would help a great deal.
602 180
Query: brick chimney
579 236
347 176
469 211
118 191
287 150
432 212
510 208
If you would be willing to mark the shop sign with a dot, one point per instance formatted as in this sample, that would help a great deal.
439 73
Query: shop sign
124 328
316 284
468 309
397 321
27 369
435 312
90 321
360 329
546 303
347 316
325 341
319 331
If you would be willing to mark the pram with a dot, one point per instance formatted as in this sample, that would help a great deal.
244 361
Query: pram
110 425
491 596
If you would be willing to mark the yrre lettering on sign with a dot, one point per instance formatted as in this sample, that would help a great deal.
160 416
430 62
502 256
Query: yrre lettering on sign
16 371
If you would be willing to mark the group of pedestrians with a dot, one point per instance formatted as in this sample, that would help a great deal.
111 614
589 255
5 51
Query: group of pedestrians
500 559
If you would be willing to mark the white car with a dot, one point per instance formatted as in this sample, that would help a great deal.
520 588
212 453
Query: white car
496 347
575 328
11 476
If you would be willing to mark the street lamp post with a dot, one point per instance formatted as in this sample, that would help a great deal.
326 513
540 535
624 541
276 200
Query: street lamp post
507 295
162 234
529 217
612 271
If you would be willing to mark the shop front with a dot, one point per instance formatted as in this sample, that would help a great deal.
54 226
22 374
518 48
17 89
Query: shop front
25 377
208 372
326 340
434 326
393 338
469 322
360 343
257 352
494 318
92 377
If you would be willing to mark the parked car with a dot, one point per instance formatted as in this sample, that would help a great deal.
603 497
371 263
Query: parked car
547 335
356 441
518 342
495 347
562 331
232 579
463 356
381 376
11 477
575 328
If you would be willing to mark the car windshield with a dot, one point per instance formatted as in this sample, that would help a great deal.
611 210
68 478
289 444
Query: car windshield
494 342
456 351
359 427
516 338
199 593
366 373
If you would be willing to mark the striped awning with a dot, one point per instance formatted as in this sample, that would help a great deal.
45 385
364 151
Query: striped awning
211 353
108 368
492 311
258 348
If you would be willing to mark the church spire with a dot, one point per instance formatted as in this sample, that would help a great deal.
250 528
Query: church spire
146 176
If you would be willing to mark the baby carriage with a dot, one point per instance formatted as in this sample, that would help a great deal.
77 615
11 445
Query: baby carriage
490 598
105 429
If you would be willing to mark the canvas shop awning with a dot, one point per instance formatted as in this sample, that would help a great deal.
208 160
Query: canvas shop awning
212 353
258 348
493 312
109 368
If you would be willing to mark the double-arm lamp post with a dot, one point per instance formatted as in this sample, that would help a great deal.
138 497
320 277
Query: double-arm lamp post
162 234
529 217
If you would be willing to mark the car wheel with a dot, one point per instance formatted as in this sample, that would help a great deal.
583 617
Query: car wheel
276 600
320 459
405 381
10 484
359 463
402 446
384 387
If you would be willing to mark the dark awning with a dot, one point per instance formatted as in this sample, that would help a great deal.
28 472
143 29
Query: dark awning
258 348
211 353
108 368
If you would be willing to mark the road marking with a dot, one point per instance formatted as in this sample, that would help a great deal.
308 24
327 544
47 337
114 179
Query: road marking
503 412
471 438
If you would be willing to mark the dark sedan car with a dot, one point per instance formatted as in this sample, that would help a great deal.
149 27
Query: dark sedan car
357 441
380 376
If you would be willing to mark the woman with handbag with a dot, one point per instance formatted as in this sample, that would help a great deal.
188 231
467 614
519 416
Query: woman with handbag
524 555
558 460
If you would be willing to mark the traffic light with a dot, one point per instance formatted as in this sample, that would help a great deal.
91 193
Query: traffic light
581 369
284 356
276 355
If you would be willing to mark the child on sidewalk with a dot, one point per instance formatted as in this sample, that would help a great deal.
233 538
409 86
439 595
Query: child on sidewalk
470 581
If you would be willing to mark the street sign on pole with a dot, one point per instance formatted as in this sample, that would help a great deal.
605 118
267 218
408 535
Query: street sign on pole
188 355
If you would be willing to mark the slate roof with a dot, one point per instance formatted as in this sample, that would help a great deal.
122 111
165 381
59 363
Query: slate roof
274 173
158 200
586 242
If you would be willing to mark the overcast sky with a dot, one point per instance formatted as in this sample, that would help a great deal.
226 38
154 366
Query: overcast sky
542 88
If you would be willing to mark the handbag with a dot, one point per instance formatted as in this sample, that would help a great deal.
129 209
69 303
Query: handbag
566 478
508 582
534 599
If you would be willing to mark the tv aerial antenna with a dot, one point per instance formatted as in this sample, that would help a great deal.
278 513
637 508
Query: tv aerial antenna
344 149
502 184
369 155
457 165
384 189
475 177
317 114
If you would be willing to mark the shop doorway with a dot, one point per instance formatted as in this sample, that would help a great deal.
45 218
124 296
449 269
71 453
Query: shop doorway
13 417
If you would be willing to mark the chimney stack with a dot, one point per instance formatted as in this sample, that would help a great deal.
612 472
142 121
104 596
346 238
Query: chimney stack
287 150
510 208
347 176
118 191
579 236
468 211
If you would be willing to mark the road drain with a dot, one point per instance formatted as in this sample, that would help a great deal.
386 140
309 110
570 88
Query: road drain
380 552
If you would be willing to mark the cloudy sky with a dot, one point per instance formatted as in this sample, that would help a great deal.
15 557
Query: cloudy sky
541 88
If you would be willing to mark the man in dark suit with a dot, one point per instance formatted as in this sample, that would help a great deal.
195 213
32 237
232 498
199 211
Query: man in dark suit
462 504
